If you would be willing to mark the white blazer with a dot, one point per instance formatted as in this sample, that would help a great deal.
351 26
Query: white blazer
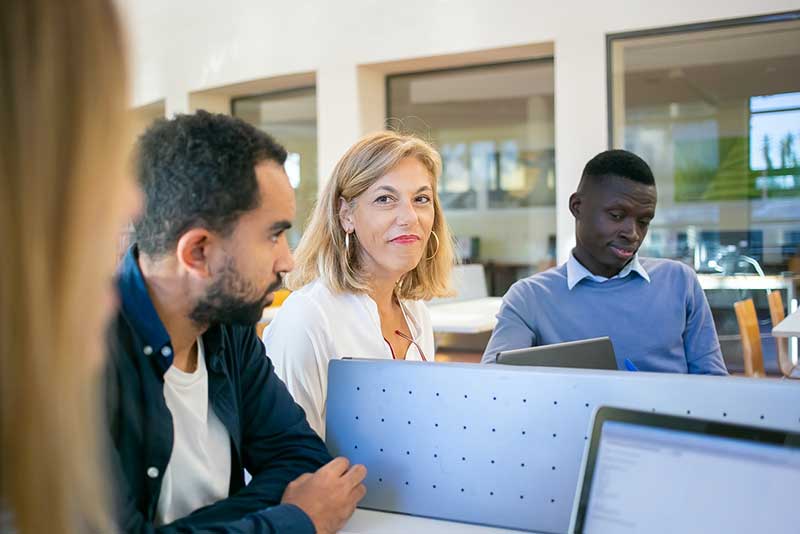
315 325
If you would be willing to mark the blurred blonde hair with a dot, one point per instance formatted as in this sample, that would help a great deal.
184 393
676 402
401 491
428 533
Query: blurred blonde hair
321 251
62 110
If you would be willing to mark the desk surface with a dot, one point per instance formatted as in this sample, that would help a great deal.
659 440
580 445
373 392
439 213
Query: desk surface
370 521
789 326
465 316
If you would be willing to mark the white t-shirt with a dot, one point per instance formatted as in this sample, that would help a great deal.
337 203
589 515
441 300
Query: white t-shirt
315 325
199 469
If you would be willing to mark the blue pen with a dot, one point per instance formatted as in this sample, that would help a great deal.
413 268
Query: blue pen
629 365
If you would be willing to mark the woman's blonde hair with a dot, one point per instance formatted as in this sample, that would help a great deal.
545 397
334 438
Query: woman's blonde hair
321 252
62 162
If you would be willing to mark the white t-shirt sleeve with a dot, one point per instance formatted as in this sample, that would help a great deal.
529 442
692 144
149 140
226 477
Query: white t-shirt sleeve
298 344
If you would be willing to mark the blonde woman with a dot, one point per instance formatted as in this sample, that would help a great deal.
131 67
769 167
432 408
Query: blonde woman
376 246
63 98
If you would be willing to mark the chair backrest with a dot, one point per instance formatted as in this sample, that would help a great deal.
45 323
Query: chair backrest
751 337
777 313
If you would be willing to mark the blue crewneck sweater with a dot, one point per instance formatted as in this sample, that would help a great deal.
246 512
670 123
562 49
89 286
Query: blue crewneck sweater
663 325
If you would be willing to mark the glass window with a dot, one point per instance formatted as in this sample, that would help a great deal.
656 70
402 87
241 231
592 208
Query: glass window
493 126
716 113
291 118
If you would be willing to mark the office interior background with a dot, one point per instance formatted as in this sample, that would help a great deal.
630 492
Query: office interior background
517 96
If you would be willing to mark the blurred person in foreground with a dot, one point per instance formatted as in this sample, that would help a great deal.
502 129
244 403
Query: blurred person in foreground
193 400
376 247
62 172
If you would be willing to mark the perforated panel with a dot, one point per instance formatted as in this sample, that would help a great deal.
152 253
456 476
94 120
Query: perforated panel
502 445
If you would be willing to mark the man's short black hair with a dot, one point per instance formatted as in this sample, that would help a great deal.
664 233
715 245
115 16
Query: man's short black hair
619 163
198 171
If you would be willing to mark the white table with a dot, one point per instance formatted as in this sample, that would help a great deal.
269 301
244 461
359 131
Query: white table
370 521
472 316
788 327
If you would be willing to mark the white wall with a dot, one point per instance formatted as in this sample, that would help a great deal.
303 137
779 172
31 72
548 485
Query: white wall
181 47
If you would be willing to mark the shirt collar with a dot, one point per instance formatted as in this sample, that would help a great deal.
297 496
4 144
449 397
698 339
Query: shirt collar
139 309
141 314
577 272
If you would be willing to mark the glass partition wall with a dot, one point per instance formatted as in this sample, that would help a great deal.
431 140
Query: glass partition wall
291 118
715 110
493 125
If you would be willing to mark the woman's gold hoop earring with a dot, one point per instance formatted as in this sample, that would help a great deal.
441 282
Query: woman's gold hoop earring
346 244
435 252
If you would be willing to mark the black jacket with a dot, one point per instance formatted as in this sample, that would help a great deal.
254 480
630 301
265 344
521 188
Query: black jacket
269 435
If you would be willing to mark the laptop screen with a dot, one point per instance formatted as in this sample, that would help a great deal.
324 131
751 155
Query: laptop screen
651 479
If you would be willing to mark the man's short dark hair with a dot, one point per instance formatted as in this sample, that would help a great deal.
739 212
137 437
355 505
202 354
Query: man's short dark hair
198 171
619 163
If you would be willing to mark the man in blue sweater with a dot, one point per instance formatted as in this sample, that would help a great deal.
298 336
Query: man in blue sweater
654 310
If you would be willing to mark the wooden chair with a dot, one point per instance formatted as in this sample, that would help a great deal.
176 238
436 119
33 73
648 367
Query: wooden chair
777 313
751 338
277 301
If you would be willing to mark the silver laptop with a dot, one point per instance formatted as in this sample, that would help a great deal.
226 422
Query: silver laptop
595 353
646 472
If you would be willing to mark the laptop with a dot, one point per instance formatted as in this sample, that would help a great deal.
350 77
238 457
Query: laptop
595 353
647 472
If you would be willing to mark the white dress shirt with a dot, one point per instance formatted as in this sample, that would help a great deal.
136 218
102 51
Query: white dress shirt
577 272
199 468
315 325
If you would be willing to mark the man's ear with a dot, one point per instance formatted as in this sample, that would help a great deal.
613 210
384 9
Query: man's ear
575 204
193 252
346 215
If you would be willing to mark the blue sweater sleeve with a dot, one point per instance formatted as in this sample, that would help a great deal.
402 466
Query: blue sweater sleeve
514 329
700 342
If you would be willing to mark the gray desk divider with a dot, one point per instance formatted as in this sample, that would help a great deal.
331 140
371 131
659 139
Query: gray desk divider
502 445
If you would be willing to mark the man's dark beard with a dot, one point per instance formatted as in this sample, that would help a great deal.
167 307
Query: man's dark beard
227 302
